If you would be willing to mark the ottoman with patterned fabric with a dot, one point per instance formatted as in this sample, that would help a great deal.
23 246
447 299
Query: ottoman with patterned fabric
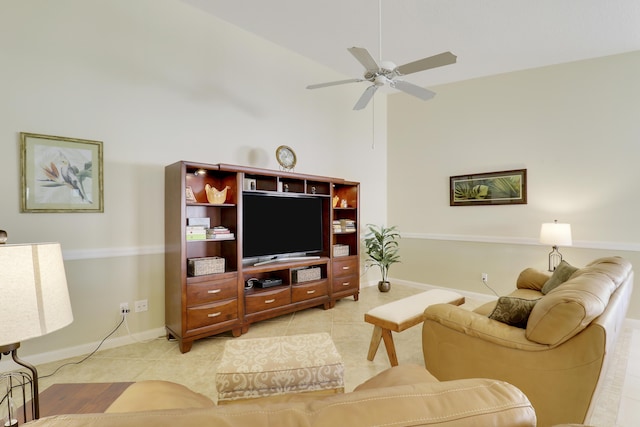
277 365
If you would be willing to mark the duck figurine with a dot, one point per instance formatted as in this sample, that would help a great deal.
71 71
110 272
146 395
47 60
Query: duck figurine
215 196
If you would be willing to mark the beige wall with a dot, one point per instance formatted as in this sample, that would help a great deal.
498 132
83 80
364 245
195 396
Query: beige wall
158 81
573 126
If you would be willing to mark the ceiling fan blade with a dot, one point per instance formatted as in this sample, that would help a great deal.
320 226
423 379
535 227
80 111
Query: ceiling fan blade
411 89
364 57
435 61
339 82
366 97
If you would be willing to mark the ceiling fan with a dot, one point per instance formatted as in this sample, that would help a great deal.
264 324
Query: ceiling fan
388 73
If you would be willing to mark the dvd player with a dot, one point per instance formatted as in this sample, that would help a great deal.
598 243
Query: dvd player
267 283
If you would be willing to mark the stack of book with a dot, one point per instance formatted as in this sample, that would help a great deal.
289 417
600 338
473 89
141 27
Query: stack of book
197 228
219 232
196 232
350 226
344 226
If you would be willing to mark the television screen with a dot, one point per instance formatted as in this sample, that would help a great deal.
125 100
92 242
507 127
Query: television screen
279 224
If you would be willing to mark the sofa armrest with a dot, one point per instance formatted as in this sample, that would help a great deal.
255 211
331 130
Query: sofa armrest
468 323
530 278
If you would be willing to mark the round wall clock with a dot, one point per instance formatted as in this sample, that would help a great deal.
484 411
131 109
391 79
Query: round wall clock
286 157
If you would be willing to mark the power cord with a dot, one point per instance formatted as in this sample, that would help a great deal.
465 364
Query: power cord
123 320
486 283
126 324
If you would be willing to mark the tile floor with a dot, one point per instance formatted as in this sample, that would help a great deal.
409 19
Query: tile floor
617 405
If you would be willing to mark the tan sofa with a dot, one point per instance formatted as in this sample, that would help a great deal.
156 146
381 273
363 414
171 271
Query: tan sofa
401 396
559 355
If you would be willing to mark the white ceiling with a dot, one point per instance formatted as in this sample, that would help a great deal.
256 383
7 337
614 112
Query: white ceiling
488 36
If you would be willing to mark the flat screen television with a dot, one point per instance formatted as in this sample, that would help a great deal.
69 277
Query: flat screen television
276 225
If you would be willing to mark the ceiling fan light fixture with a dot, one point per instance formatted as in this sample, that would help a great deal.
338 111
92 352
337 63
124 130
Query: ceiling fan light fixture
388 66
381 80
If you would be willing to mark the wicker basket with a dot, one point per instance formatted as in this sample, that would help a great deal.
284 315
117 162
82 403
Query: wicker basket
340 250
306 274
206 265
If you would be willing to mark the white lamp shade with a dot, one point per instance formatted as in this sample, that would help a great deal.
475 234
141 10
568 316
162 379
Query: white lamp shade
555 234
34 299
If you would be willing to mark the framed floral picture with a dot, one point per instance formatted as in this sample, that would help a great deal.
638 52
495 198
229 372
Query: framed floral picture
491 188
60 174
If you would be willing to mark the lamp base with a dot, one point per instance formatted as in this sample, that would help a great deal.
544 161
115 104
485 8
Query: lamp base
35 403
555 258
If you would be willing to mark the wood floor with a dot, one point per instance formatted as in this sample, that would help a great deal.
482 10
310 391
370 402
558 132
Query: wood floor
80 398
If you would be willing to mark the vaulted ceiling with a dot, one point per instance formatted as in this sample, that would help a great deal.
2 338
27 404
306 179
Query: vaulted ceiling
488 36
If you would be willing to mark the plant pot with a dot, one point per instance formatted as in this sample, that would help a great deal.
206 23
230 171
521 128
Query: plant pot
384 286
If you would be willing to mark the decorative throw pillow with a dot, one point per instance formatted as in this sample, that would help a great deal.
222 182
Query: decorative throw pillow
563 271
513 311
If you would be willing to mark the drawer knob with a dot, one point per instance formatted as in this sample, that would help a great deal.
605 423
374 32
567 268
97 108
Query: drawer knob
213 291
345 283
313 291
269 301
214 314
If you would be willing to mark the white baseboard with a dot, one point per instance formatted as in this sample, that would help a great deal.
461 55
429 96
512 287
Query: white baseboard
469 294
65 353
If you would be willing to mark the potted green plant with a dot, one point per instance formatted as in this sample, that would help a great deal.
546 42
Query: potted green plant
382 250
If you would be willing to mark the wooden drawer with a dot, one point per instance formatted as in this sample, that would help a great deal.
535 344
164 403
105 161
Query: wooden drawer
345 283
345 267
302 292
265 300
211 291
210 314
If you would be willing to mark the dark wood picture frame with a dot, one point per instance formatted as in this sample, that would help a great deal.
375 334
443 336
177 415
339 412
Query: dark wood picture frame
490 188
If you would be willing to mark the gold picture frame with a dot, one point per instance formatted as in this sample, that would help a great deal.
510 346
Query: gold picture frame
60 174
491 188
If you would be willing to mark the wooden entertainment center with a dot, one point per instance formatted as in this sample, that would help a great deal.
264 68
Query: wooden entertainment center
202 305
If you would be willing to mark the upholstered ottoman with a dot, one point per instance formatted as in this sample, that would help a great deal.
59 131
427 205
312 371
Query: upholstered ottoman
270 366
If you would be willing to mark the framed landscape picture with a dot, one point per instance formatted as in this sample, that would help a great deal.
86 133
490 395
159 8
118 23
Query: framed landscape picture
491 188
60 174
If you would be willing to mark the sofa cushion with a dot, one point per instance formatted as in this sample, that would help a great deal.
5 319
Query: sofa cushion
513 311
486 308
561 274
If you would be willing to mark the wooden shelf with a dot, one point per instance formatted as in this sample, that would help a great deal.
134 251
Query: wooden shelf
201 306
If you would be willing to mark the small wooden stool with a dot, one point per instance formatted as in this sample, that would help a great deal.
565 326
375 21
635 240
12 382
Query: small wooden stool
402 314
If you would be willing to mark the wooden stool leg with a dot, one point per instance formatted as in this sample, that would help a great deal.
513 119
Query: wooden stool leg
391 349
375 342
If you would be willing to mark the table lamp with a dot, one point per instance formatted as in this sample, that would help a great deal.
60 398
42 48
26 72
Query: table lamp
555 234
34 299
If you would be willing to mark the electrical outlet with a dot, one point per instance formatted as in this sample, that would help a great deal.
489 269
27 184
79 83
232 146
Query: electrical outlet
141 305
485 277
124 308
